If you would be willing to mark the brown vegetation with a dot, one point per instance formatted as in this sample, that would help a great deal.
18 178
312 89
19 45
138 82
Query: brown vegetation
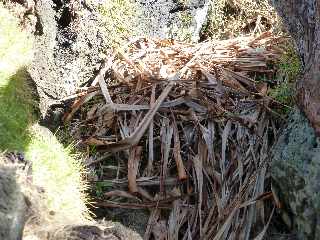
186 130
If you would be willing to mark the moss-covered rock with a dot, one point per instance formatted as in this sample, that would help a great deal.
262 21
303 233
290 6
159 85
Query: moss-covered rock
296 172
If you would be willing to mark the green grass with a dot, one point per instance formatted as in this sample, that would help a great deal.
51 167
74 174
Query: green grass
290 64
55 169
16 112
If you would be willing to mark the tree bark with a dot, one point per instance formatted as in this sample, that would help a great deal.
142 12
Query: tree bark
302 19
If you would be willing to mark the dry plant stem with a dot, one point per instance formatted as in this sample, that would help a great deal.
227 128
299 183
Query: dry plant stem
105 67
77 104
154 216
144 124
198 139
164 203
119 193
150 140
140 130
102 82
105 91
177 154
133 164
146 182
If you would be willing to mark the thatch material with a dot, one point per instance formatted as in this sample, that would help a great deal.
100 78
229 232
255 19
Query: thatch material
187 131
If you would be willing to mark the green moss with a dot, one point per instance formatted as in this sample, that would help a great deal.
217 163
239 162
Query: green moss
16 106
289 68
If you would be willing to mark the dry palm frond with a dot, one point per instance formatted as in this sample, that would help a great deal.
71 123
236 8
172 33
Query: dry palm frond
192 127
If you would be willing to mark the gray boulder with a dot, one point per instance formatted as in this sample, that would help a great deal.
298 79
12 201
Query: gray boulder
69 46
180 20
13 208
101 231
296 173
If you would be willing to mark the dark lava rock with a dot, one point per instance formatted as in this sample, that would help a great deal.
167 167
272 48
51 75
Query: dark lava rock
69 47
13 208
71 42
296 173
175 19
105 231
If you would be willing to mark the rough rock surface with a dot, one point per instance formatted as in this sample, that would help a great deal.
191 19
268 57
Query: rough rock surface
136 219
13 207
177 19
105 231
296 172
69 47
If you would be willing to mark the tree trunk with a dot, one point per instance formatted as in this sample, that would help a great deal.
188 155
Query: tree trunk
302 19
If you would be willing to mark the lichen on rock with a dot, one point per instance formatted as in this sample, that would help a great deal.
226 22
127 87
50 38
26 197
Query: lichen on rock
296 172
181 20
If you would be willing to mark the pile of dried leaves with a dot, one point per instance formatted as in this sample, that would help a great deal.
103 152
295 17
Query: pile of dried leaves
185 131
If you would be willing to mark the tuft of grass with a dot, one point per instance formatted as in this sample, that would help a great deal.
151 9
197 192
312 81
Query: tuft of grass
290 64
16 112
55 169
